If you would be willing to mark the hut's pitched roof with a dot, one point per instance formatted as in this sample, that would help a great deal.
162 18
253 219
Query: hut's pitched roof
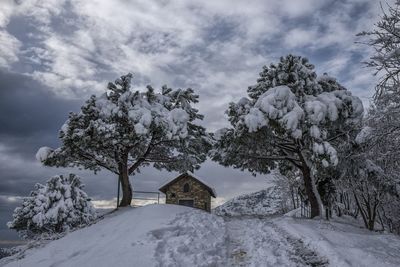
190 174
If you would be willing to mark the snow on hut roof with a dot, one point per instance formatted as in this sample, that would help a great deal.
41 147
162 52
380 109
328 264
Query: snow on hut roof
188 173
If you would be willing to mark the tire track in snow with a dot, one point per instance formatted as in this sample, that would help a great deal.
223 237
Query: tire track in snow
254 241
308 255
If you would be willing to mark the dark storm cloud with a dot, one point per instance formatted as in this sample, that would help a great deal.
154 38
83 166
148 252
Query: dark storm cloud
30 115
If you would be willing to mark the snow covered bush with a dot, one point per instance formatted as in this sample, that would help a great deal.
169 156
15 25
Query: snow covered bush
5 252
291 119
124 130
367 183
59 205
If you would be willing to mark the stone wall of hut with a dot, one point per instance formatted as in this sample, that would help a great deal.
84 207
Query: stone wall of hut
197 192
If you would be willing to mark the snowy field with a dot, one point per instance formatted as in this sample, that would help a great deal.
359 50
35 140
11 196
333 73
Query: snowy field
169 235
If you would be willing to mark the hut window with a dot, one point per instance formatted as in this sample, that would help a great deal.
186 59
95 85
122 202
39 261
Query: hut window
186 188
173 195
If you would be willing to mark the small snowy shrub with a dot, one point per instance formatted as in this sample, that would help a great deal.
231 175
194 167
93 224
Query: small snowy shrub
4 252
53 208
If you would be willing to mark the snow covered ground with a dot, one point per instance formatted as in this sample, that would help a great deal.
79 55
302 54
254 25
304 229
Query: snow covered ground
169 235
344 242
154 235
256 241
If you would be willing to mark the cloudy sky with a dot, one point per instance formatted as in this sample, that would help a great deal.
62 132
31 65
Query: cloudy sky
55 53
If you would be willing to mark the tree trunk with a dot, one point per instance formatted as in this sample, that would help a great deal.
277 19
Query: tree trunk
308 184
371 224
310 187
360 209
126 188
293 200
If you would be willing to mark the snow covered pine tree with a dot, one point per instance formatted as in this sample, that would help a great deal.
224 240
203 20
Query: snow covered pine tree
59 205
123 130
292 118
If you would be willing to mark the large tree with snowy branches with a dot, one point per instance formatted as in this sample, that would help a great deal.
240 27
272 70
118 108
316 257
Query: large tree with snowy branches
292 119
123 130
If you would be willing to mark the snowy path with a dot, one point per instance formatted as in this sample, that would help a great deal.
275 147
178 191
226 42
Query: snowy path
253 241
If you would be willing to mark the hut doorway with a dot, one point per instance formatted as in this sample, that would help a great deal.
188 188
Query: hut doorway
186 202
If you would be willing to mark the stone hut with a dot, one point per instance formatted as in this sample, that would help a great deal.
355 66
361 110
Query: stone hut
188 190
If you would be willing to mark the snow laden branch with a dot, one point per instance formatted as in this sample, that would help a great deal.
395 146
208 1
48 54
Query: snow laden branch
123 130
384 39
291 118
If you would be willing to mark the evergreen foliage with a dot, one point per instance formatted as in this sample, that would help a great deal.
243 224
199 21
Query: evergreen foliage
59 205
292 119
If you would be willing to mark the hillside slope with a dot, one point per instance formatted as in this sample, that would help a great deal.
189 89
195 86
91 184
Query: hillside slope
270 201
168 235
153 235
